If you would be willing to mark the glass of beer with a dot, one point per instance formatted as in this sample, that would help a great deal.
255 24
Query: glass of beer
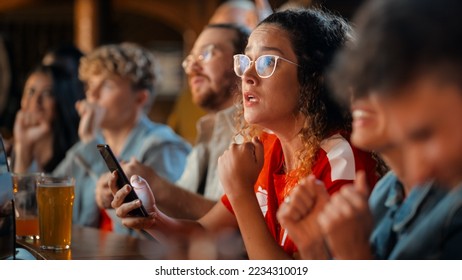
25 204
55 199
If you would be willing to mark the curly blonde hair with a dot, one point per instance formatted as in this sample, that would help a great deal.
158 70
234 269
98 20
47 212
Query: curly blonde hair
315 36
127 60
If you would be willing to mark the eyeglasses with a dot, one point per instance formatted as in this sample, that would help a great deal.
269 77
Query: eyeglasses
204 56
264 65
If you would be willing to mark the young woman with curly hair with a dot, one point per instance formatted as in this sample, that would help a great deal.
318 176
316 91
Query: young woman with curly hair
291 129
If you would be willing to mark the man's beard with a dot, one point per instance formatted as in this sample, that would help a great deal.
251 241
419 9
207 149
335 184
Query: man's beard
212 100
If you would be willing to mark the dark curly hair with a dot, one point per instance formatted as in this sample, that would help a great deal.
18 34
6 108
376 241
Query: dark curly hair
315 36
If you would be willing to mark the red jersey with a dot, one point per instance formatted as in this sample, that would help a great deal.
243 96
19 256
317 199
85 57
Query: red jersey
336 165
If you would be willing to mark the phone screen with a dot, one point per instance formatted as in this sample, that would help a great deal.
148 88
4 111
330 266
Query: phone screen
122 180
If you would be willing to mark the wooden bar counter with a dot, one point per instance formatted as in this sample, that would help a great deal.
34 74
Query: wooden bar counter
94 244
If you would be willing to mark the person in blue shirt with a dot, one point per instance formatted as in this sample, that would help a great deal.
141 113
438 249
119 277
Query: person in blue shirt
407 58
120 80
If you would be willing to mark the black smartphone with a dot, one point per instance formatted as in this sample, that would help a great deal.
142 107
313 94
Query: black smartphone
122 180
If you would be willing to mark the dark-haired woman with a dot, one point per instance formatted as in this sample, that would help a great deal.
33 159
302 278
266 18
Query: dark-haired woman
47 123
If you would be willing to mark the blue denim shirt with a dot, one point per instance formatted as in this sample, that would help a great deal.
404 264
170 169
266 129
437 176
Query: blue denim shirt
427 224
155 145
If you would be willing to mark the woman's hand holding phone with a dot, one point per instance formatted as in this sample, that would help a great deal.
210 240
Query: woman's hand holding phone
123 209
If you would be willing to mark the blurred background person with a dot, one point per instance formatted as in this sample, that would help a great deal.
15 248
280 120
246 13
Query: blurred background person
120 80
67 57
46 125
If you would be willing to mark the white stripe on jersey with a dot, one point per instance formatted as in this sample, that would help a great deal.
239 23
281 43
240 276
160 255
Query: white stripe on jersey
341 157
